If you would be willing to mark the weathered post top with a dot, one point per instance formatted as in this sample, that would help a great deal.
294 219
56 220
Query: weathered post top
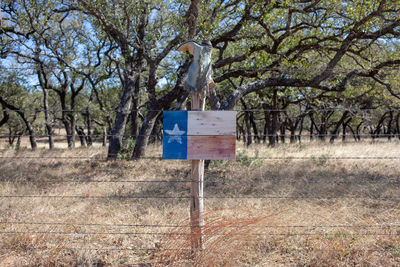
200 71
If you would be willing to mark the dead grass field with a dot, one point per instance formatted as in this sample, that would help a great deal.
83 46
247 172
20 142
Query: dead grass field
307 209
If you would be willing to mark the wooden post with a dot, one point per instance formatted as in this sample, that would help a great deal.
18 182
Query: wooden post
196 189
197 81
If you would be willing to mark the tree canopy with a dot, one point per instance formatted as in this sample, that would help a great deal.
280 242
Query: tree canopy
111 67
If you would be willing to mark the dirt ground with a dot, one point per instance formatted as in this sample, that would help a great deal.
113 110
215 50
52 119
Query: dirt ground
306 205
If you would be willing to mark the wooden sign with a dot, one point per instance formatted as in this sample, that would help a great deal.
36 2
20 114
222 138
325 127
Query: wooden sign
199 134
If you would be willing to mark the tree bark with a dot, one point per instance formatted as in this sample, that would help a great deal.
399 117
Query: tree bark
344 127
154 110
248 130
139 62
335 131
247 122
301 128
28 124
131 87
254 126
311 126
377 131
144 134
274 122
18 144
64 117
398 125
5 118
49 127
283 132
32 138
389 125
89 139
11 136
118 131
81 135
358 131
267 121
323 129
104 143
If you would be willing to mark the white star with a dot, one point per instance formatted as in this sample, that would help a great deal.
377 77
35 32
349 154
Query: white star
175 134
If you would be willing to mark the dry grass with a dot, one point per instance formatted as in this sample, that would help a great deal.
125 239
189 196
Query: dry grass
237 232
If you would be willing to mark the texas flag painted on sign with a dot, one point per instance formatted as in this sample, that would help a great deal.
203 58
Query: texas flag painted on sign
199 134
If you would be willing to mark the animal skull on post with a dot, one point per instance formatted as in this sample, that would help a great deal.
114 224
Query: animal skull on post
200 71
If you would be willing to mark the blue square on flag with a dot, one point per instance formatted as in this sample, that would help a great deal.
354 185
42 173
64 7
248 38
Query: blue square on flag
175 134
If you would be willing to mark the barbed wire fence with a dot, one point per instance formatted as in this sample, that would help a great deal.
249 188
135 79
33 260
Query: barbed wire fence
377 229
157 230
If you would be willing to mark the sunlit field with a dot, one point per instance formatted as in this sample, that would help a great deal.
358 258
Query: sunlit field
312 204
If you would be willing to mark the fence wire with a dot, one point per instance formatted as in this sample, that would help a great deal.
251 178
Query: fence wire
383 226
237 180
188 234
158 230
316 110
142 250
323 157
370 135
204 197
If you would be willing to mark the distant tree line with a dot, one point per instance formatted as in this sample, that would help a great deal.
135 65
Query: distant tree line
105 69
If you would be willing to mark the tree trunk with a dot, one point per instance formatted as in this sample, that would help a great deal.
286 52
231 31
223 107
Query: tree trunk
389 125
254 126
67 127
248 130
65 113
89 139
241 133
135 111
240 130
118 131
72 117
378 128
144 134
323 130
353 133
311 127
11 136
274 121
131 90
334 133
18 144
267 121
292 135
5 118
28 124
301 128
104 143
398 125
49 127
247 122
283 132
32 138
81 135
344 127
358 131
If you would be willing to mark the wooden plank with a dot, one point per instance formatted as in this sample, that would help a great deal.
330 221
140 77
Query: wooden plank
211 123
211 147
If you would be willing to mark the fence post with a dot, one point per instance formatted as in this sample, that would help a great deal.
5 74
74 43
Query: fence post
197 81
196 189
